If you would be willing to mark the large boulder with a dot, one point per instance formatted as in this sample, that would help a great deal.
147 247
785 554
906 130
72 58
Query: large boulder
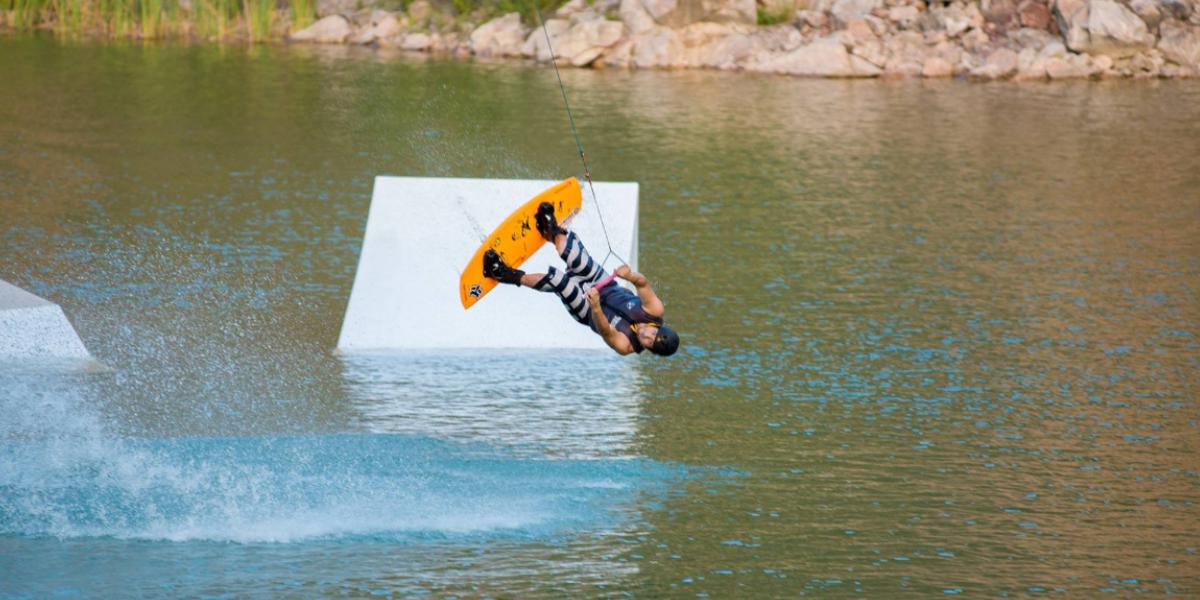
579 44
333 29
1115 30
1148 11
1180 43
387 26
824 57
905 54
1002 63
417 42
503 36
716 46
535 45
1102 27
636 18
656 48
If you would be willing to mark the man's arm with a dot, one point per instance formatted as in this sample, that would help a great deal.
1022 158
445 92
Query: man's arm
650 302
611 336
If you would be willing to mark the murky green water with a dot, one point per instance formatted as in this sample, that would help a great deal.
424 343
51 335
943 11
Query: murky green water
939 338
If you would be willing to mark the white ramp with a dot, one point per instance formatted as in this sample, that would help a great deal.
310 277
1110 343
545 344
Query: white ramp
420 234
33 328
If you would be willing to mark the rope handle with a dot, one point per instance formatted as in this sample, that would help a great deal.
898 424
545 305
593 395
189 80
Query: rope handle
605 281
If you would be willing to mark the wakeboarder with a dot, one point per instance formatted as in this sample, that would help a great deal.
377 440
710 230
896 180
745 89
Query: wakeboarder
628 322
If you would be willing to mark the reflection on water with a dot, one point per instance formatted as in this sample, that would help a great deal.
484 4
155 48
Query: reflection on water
574 404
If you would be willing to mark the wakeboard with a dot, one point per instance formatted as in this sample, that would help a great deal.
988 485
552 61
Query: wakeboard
517 238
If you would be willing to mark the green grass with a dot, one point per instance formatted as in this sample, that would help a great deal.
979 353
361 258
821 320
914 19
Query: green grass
150 18
768 17
261 13
303 13
219 20
27 13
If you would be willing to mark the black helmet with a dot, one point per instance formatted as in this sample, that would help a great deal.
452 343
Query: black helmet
666 342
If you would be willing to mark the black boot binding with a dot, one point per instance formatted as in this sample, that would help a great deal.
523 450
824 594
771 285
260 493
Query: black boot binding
494 268
547 223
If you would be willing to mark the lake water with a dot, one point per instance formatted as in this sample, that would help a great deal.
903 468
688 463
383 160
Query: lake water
939 338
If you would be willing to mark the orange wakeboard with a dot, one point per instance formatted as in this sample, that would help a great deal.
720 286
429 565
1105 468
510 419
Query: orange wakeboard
517 238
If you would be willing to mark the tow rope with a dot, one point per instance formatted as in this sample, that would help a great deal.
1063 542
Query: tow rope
587 174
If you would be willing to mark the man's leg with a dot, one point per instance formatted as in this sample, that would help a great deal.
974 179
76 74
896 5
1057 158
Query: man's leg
579 263
569 288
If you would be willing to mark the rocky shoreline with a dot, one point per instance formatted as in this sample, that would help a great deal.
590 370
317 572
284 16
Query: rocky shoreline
986 40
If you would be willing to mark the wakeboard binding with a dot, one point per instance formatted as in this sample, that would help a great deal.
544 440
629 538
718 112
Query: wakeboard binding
495 268
547 223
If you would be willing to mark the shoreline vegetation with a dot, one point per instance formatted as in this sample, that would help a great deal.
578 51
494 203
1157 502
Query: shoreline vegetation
969 39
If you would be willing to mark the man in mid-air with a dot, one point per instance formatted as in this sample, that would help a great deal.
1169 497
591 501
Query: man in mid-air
628 323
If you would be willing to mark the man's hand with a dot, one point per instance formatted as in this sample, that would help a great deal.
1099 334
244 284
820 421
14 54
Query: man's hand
593 296
637 279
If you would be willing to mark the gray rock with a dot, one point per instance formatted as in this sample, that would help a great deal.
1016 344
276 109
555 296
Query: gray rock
654 48
845 11
503 36
824 57
906 54
334 29
1072 21
999 12
953 19
1000 64
1029 66
417 41
679 13
1032 38
326 8
579 44
1115 30
781 38
936 66
905 17
1147 64
1180 9
1180 43
1148 11
712 45
387 26
1034 14
873 51
813 18
1069 66
535 44
974 39
1102 27
637 19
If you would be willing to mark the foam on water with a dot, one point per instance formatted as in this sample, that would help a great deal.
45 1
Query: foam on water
61 476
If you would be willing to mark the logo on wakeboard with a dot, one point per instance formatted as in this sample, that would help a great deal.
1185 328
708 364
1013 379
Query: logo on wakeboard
476 291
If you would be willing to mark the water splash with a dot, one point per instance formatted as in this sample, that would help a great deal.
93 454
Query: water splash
62 476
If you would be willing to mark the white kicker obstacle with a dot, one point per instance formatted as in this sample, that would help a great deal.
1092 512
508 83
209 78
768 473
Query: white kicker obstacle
420 234
33 328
